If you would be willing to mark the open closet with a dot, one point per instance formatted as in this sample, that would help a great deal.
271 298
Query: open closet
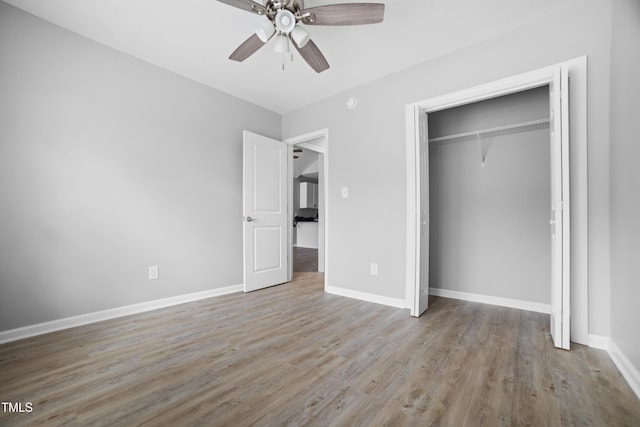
497 197
490 197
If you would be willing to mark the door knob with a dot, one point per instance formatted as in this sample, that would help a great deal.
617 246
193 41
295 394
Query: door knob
249 219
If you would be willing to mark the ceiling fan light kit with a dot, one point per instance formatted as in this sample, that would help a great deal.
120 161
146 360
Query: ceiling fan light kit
285 21
282 45
300 36
284 18
265 30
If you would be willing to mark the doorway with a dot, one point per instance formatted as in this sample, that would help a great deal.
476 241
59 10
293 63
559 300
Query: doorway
557 77
306 212
308 204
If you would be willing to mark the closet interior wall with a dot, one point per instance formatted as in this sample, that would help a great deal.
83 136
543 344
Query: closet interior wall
490 198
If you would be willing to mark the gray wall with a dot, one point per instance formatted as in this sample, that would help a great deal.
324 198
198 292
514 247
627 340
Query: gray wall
625 178
489 226
109 165
374 134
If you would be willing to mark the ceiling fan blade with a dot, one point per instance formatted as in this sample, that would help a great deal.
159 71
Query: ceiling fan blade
345 14
247 5
313 56
247 48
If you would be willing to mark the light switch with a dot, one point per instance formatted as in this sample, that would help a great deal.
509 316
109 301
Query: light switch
374 269
345 192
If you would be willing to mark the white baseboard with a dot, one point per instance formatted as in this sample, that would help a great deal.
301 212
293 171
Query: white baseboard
626 368
487 299
364 296
98 316
599 341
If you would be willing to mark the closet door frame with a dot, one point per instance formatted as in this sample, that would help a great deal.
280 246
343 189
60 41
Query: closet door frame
575 267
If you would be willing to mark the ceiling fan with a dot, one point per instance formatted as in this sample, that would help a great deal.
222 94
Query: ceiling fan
284 19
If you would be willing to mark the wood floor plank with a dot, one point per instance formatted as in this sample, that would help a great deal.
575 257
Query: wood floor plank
305 259
294 355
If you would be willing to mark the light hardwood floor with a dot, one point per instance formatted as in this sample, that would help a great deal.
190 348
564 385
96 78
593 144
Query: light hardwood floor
293 355
305 259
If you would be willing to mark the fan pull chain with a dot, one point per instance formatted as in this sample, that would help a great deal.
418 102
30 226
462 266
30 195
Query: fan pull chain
285 45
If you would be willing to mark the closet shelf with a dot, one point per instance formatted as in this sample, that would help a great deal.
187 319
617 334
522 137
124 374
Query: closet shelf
491 132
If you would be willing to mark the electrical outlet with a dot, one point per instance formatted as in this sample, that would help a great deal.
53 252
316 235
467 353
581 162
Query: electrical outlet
374 269
154 274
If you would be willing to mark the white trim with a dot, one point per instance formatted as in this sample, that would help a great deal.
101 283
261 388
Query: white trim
598 341
309 137
488 299
112 313
509 85
412 210
626 368
364 296
579 200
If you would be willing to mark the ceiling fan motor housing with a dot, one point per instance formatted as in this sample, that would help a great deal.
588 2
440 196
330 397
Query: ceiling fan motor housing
294 7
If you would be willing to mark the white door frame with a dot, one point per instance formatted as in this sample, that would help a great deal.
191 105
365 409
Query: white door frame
578 164
317 141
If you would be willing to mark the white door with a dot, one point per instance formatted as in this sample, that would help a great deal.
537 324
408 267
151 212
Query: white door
421 299
265 211
559 221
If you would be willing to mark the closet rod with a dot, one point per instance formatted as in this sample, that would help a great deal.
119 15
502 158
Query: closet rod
478 133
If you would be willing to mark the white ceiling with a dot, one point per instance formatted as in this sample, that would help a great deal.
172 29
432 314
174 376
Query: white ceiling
194 38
